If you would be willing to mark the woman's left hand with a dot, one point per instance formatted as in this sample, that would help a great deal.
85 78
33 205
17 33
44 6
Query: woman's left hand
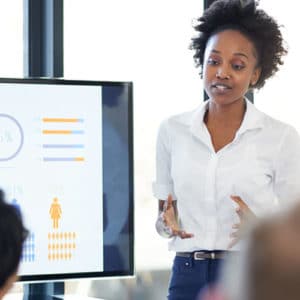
245 214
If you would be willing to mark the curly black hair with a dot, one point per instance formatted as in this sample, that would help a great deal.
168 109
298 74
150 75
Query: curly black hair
260 28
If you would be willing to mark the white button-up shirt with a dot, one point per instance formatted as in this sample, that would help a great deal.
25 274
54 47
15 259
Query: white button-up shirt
261 165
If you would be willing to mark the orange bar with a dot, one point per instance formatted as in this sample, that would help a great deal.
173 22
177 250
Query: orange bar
62 120
57 131
79 158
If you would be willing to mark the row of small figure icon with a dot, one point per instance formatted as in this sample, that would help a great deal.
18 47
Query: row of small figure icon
27 257
28 247
61 235
62 246
59 256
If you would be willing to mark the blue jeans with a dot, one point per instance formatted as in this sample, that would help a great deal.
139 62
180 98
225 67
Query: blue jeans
189 276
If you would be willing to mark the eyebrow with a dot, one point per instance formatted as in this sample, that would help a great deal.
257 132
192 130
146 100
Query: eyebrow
237 53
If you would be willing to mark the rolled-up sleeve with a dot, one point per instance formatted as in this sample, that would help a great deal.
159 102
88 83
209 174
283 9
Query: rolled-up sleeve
163 185
287 168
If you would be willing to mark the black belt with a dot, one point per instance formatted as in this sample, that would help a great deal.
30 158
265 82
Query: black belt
202 255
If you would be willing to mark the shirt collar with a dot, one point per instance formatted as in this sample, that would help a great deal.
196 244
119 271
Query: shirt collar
253 119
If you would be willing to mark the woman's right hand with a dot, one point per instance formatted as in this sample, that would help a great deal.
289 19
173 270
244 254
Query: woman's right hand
169 217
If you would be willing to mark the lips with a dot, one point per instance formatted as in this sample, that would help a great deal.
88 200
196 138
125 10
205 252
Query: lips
221 88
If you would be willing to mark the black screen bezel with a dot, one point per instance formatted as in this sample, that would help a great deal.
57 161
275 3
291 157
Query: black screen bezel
115 273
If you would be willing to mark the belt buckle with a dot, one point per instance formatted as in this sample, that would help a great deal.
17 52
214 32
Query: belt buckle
196 257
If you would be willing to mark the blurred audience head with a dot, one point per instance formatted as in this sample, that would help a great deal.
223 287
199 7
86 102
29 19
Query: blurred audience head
269 266
12 236
274 258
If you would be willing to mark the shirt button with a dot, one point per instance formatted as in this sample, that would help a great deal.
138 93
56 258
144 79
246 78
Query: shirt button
187 264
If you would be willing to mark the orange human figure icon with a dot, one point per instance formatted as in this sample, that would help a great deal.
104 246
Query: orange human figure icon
55 212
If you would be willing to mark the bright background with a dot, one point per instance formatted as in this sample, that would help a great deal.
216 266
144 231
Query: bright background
147 42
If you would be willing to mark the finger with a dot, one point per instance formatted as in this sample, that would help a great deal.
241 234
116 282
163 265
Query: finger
243 210
235 234
232 243
238 200
181 233
239 209
240 214
168 203
167 216
236 226
165 219
184 235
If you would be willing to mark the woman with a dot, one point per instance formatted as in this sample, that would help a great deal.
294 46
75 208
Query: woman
226 162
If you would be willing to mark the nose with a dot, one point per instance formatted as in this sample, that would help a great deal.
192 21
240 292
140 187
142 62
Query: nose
223 73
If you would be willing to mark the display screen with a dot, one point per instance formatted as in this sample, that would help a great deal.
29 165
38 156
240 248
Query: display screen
66 163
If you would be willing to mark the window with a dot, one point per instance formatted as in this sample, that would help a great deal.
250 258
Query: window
145 42
11 32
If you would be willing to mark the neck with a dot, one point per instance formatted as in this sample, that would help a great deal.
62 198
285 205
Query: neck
7 285
2 293
231 114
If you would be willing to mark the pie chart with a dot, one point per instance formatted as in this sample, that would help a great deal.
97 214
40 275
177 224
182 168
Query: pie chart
11 137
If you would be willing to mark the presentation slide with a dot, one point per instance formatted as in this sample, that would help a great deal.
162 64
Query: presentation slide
51 170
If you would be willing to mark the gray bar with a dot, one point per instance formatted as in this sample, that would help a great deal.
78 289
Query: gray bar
63 146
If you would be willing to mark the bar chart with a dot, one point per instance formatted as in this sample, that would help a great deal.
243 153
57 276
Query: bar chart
71 131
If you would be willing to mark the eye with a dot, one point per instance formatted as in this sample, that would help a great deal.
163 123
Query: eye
238 67
212 62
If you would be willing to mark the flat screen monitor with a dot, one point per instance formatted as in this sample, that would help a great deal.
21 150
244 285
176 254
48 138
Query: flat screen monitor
66 163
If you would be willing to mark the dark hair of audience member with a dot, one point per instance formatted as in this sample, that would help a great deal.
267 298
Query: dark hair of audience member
12 236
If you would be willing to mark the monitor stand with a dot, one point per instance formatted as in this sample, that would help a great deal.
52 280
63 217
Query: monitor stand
43 291
75 297
50 291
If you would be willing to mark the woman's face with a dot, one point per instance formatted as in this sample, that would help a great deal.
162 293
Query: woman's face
229 66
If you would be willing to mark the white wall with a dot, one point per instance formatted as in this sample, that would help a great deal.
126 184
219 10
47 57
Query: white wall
11 38
280 96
